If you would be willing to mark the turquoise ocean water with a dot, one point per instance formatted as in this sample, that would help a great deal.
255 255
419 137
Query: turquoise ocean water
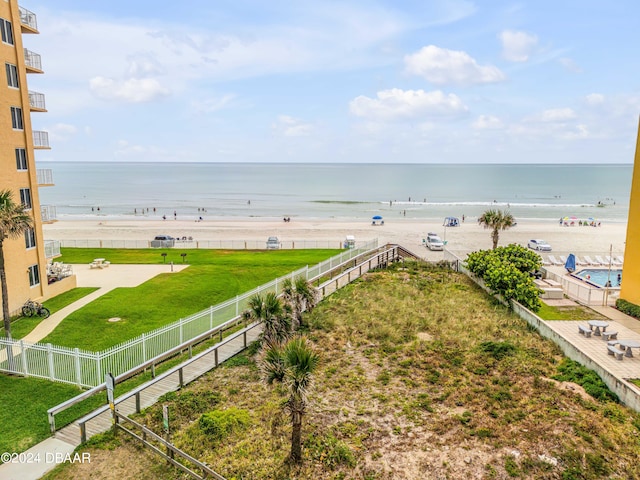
341 191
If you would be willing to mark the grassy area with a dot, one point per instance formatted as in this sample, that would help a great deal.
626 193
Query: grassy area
422 375
214 276
579 312
21 326
24 405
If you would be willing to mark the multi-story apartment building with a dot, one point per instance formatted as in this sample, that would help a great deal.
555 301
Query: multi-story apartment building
26 259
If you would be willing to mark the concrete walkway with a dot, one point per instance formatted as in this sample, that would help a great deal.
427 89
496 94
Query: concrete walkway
106 279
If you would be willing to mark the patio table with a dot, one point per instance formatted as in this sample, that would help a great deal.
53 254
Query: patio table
598 324
628 345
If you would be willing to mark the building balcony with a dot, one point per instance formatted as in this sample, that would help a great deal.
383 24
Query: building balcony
28 21
41 140
45 177
51 248
48 213
33 61
36 102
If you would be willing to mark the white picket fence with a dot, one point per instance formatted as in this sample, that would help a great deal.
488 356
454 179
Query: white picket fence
87 369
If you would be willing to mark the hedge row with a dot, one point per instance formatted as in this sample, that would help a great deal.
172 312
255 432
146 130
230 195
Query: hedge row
628 308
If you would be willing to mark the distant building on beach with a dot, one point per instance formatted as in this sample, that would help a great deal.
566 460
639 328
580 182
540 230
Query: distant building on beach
630 288
26 258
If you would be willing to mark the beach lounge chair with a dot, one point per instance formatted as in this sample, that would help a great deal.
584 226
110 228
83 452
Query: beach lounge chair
580 262
601 260
620 259
545 262
554 260
613 260
588 259
563 259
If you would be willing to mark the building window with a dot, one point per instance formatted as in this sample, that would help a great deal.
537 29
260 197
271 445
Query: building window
34 275
6 30
12 75
16 118
21 159
30 238
25 197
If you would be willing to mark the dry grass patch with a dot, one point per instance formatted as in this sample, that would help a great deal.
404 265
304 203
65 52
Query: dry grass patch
422 376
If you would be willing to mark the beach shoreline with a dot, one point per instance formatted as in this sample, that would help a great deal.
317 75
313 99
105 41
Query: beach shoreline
469 236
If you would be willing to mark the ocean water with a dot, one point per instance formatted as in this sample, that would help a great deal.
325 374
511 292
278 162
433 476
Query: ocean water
341 191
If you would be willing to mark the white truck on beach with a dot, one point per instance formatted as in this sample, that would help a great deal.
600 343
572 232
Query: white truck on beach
434 242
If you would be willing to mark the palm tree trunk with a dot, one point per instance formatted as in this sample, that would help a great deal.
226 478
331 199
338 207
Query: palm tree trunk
296 437
495 236
5 294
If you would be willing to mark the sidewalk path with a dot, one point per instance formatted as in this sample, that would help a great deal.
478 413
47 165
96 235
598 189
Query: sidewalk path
106 279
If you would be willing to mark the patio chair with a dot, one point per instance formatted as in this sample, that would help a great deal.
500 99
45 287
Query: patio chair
620 259
563 259
588 259
612 260
580 262
601 260
555 261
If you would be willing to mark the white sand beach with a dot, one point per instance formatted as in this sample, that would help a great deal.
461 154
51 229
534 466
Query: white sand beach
409 233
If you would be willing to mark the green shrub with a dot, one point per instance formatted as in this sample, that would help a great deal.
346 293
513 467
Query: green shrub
498 350
629 308
330 451
217 424
507 271
570 371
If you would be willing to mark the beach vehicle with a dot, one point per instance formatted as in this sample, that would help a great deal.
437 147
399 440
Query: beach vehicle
537 244
349 241
434 242
273 243
163 241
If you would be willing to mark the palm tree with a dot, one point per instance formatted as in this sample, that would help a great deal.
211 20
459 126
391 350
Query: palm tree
14 221
273 315
301 296
292 364
496 220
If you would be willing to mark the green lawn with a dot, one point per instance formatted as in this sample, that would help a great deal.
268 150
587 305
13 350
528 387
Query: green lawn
23 415
23 325
213 276
579 312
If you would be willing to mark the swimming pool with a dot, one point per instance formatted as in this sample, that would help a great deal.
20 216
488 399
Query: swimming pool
599 276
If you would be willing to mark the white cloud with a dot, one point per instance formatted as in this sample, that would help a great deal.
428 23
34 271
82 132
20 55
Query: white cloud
441 66
61 131
292 127
570 65
397 104
517 46
553 115
595 99
133 90
213 104
125 149
487 122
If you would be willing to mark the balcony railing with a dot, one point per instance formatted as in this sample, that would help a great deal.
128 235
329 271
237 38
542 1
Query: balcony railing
36 101
40 139
45 176
28 18
32 60
48 213
51 248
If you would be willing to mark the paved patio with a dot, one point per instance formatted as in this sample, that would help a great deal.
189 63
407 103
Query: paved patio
596 348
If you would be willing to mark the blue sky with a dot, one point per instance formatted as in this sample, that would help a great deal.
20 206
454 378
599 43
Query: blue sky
449 81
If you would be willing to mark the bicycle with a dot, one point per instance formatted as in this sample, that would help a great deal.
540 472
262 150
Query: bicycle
31 308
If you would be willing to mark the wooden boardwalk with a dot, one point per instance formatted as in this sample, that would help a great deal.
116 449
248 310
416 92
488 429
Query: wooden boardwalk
147 394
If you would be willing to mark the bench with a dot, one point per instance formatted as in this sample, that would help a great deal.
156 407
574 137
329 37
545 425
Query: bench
609 335
586 331
613 350
553 283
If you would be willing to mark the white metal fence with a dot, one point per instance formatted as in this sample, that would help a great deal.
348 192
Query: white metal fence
208 244
86 369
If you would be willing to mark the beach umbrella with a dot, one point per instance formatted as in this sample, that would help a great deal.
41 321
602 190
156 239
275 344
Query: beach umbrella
570 265
377 217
